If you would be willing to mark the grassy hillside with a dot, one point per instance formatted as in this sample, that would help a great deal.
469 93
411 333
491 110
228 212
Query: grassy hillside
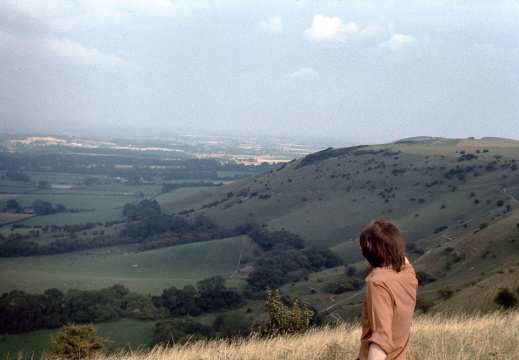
492 336
455 200
328 197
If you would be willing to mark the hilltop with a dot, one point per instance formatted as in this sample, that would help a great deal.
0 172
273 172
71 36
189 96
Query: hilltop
455 199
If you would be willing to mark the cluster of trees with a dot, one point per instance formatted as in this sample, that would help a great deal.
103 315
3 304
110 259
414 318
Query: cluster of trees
285 260
22 312
208 296
40 207
280 267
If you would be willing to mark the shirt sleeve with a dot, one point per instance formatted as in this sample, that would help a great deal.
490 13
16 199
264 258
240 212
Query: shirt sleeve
379 303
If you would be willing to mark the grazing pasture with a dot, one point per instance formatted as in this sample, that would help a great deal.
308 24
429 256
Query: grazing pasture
142 272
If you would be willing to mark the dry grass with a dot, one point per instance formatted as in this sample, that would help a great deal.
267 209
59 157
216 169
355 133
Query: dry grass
492 336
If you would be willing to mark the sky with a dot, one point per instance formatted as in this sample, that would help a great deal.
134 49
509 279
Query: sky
348 72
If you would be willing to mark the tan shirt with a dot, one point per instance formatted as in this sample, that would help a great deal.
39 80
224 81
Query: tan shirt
387 311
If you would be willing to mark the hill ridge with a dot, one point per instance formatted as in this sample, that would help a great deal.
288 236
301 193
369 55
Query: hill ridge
439 195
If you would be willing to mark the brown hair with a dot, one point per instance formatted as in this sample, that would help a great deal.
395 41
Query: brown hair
383 244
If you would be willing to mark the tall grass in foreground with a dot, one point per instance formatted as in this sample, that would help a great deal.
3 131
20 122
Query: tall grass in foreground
492 336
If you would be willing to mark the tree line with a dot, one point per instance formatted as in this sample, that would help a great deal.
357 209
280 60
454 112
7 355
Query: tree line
22 312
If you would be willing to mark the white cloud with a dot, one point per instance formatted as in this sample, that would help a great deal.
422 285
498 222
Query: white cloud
274 24
398 42
330 29
304 73
334 29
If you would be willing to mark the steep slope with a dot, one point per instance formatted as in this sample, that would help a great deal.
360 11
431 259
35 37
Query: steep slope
456 201
434 188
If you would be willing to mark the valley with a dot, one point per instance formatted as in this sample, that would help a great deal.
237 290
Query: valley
455 200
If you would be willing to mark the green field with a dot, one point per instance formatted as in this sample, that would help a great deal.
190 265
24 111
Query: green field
142 272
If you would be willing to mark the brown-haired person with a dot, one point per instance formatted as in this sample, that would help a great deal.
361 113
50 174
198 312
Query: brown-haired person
390 298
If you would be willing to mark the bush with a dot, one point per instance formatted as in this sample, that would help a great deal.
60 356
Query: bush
77 342
424 278
423 305
506 298
446 292
284 320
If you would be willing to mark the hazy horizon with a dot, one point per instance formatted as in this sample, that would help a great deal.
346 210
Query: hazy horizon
340 72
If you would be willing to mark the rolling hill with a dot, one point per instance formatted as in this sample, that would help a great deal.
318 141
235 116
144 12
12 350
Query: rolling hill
456 201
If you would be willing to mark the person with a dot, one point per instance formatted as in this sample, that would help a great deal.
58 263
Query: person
390 298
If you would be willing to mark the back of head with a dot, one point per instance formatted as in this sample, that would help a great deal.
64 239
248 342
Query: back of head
383 245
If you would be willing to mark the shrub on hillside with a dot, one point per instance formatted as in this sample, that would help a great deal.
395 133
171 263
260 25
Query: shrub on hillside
506 298
423 305
446 292
77 342
284 320
424 278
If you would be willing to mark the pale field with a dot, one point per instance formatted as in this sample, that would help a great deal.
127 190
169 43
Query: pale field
492 336
247 159
488 143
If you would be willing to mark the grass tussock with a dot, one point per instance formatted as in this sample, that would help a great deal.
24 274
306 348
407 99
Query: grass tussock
491 336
